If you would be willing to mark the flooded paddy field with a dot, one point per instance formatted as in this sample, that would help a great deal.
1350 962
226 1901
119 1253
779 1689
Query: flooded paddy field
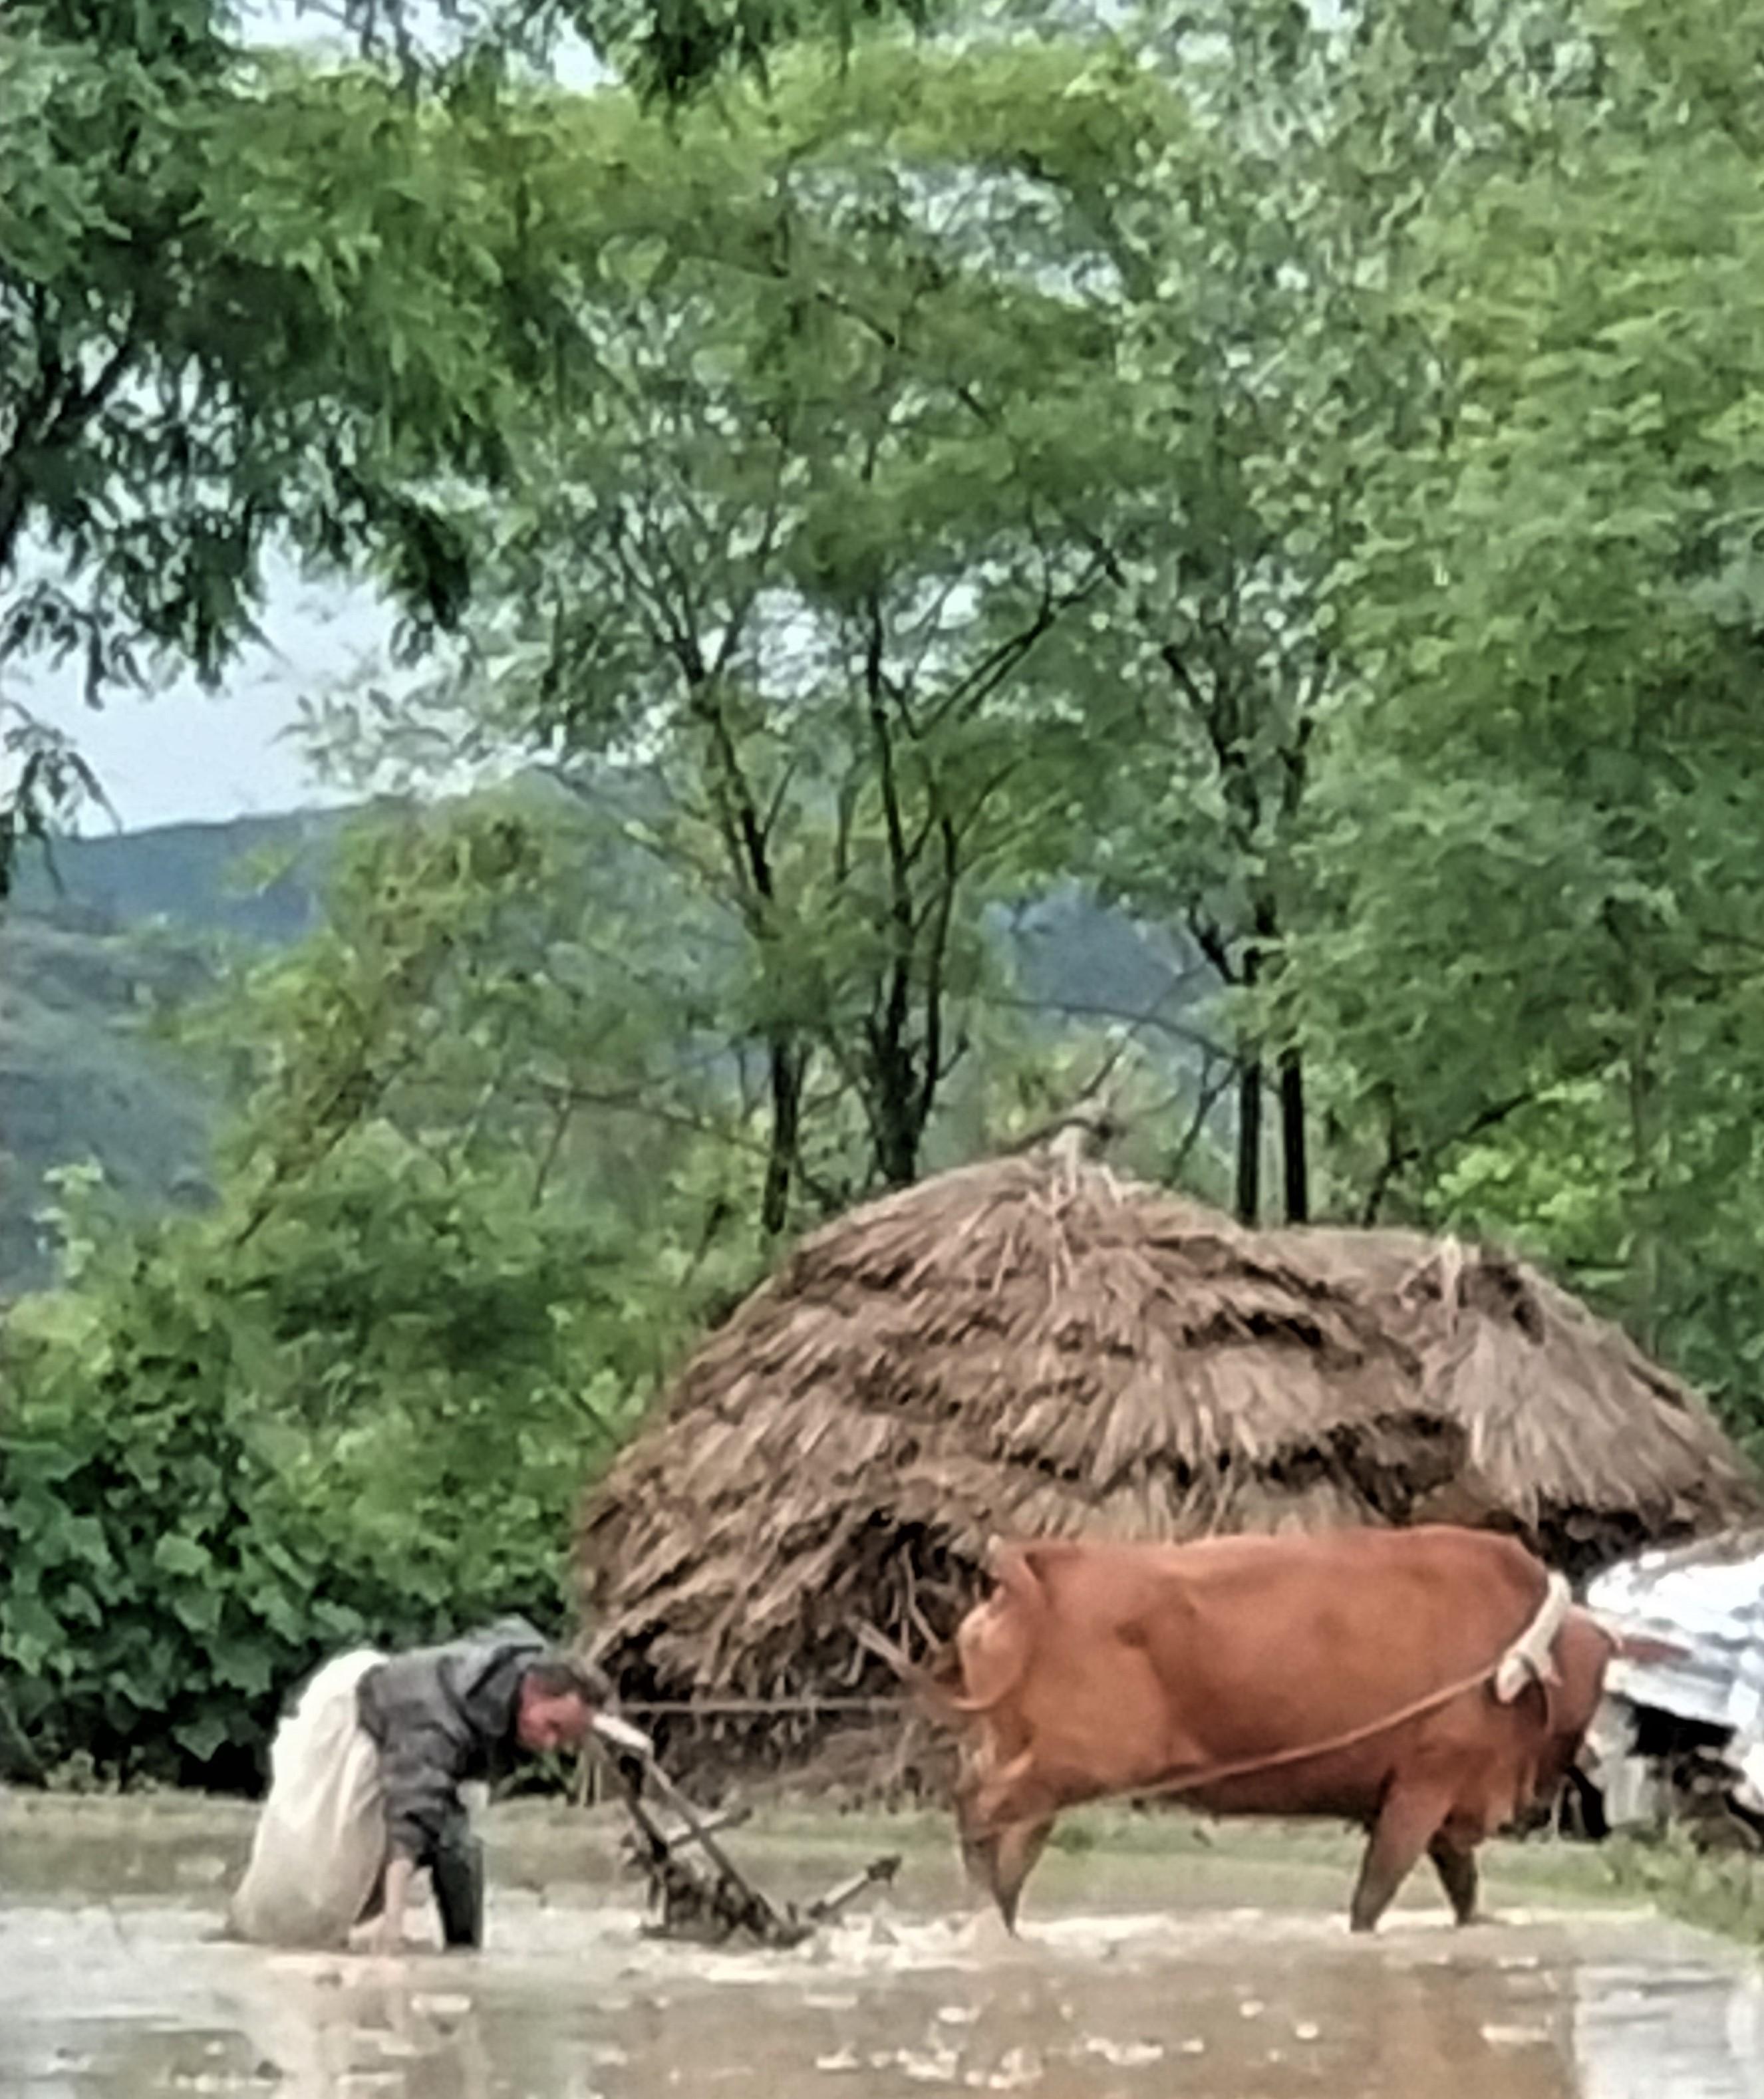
1156 1959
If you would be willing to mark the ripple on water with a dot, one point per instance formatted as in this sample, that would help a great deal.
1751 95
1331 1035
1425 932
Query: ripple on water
106 2001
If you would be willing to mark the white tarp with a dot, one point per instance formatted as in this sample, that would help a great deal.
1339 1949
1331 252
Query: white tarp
1707 1601
321 1840
1713 1608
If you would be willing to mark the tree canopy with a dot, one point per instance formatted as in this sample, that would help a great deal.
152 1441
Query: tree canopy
1286 484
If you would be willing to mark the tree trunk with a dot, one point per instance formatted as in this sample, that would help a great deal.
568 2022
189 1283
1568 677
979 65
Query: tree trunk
1294 1156
896 1123
787 1069
1249 1179
1249 1187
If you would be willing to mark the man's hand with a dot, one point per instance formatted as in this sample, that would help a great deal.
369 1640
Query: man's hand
621 1736
388 1939
631 1750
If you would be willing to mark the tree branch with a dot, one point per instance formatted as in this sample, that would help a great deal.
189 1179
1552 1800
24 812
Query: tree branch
1400 1157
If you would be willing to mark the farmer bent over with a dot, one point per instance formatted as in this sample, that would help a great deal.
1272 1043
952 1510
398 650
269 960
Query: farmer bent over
365 1775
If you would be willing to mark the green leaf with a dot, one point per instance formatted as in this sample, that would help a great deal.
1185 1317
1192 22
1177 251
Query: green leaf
201 1736
176 1554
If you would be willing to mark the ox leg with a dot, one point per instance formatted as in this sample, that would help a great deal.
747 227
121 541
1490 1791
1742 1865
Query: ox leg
977 1868
1456 1865
1017 1847
1405 1827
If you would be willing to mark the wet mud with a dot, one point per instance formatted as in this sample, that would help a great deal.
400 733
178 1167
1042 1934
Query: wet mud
1135 1977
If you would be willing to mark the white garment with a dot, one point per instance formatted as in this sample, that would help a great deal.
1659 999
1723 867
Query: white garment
321 1839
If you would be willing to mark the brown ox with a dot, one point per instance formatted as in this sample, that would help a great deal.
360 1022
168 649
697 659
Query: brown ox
1359 1675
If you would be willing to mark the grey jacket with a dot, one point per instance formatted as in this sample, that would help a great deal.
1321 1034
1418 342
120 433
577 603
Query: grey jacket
440 1715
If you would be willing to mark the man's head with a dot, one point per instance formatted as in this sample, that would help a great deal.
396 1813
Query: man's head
558 1701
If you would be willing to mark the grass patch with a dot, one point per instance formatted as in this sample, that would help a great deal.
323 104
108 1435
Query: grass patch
1716 1891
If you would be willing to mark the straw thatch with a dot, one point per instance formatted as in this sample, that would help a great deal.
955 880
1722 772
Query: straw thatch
1032 1346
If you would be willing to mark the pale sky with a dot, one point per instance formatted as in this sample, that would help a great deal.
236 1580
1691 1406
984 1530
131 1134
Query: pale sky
178 755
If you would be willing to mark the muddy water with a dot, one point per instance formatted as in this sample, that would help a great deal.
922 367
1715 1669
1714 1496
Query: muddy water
1135 1980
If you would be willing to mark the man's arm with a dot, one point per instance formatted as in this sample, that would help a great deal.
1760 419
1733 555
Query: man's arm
419 1768
389 1934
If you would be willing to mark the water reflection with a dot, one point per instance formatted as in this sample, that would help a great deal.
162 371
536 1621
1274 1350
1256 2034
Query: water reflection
1637 2036
99 2003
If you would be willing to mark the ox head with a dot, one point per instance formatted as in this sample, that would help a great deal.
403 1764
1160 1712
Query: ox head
1001 1825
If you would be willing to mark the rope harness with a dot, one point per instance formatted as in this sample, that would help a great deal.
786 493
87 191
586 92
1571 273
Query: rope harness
1526 1660
1250 1766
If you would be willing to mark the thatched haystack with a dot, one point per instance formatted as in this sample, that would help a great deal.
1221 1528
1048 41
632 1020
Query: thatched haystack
1034 1346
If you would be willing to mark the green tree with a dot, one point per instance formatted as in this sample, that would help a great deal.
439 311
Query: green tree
779 574
238 299
666 52
1538 848
470 1212
46 786
246 301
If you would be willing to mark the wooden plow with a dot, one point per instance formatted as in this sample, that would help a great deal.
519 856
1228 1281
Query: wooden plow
697 1892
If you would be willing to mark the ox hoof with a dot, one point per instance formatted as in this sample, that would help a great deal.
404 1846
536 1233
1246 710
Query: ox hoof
1478 1918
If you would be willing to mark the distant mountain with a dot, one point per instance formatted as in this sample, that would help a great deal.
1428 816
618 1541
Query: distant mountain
82 1078
257 879
129 924
92 954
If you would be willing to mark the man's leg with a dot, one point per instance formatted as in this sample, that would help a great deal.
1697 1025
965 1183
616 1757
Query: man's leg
457 1873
